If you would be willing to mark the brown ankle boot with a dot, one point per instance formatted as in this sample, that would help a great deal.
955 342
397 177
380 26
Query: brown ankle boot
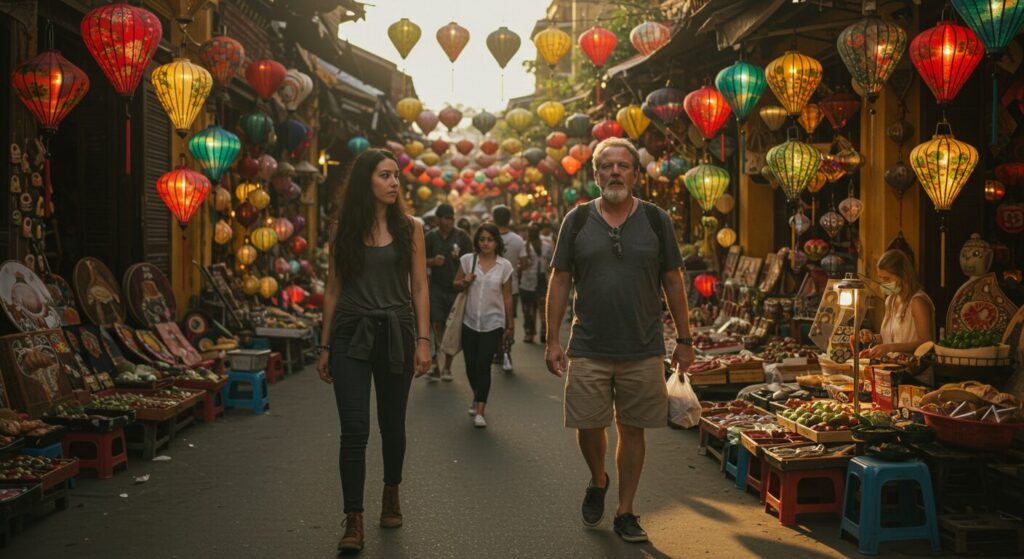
390 508
352 541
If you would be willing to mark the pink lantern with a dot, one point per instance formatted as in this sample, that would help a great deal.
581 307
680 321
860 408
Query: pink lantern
268 166
284 228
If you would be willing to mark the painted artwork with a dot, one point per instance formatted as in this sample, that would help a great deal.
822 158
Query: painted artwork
731 261
26 300
92 349
178 344
64 300
33 372
748 270
979 304
98 293
151 343
149 295
125 337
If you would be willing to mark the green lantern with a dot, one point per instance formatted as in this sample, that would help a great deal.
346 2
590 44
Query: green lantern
257 127
996 22
794 164
706 183
742 85
215 149
871 48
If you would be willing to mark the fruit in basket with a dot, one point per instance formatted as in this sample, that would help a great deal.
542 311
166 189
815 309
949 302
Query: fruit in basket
969 339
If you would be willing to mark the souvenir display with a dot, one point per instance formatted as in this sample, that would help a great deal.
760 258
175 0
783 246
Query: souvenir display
178 345
34 374
148 295
124 336
980 305
92 346
98 294
152 345
26 300
64 299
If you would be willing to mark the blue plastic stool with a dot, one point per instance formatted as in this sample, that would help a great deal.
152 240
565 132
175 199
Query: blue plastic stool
866 526
253 393
735 459
55 450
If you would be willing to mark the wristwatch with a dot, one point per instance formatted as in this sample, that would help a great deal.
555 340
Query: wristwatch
685 341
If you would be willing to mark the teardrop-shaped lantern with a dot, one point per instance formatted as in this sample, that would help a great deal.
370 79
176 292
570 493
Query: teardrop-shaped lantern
832 223
183 190
943 165
706 183
409 108
265 76
414 148
800 223
945 56
519 119
122 38
452 38
450 117
222 232
552 45
707 109
818 182
666 103
484 122
741 85
503 44
427 121
578 125
607 129
838 108
464 146
871 49
571 164
851 208
773 116
357 145
512 146
633 121
899 177
649 36
810 117
793 77
551 112
996 22
223 57
244 189
404 34
181 87
295 88
256 127
598 44
215 149
793 163
49 86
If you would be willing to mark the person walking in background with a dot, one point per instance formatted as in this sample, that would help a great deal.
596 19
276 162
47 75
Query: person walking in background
487 279
377 277
620 254
515 249
547 237
533 280
445 245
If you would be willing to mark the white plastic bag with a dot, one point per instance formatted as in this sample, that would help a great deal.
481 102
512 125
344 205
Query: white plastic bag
683 404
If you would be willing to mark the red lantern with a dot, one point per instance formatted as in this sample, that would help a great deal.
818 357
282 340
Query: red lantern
707 109
571 164
122 39
247 214
581 152
994 191
598 43
265 76
1011 174
1010 218
183 190
248 167
223 57
489 146
838 108
945 56
439 146
50 86
705 284
556 140
607 129
298 245
464 147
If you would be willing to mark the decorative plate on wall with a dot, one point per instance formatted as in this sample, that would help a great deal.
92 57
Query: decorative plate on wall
26 300
98 292
148 294
64 299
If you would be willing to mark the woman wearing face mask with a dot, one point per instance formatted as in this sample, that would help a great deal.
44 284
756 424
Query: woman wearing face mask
909 313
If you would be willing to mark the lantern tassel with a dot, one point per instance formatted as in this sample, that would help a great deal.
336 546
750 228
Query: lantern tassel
792 250
127 139
995 106
48 185
942 251
743 145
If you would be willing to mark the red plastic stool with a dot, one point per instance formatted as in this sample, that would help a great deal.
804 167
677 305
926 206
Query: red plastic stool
785 492
755 475
213 406
108 451
275 367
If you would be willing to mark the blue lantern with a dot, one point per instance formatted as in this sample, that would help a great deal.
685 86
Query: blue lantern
358 144
294 135
742 85
215 149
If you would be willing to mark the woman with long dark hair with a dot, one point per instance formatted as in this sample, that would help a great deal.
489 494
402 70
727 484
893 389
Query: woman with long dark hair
376 290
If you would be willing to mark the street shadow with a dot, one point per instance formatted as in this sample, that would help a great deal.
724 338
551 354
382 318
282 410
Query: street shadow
764 547
608 540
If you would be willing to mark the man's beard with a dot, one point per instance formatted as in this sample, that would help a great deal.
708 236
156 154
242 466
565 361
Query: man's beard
615 196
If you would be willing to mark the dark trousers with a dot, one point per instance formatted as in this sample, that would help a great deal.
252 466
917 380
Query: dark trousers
352 379
479 349
529 300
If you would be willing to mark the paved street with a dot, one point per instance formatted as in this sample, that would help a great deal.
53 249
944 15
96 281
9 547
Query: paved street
268 486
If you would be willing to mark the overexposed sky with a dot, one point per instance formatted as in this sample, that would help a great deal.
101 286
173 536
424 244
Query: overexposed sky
477 75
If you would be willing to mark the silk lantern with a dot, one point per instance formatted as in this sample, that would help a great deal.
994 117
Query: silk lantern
773 116
223 57
632 120
945 56
707 109
571 164
996 22
519 119
706 183
268 287
794 164
511 146
726 237
263 238
256 127
810 117
250 284
357 145
259 198
666 103
222 199
838 108
246 255
409 108
464 146
452 38
793 77
741 85
222 232
578 125
705 284
552 44
265 76
994 191
607 129
246 214
1011 174
871 49
183 190
294 90
404 35
215 149
244 189
484 122
598 44
295 135
551 112
298 244
649 36
450 117
50 87
851 209
503 44
182 87
832 223
268 167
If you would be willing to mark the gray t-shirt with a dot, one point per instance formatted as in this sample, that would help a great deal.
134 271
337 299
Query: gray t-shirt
515 248
617 304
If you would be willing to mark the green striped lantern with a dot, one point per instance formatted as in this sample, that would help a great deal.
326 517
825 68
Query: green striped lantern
742 85
794 164
706 183
214 148
256 127
995 22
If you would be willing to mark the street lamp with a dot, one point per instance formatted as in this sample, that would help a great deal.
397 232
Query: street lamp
850 292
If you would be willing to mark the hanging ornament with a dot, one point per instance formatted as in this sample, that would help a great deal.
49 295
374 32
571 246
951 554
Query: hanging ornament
464 146
503 44
223 57
581 152
452 38
427 121
945 56
899 177
450 117
404 35
181 87
519 119
943 165
800 223
725 203
607 129
50 87
256 127
726 237
246 214
1011 174
551 113
409 108
263 238
818 182
268 287
871 49
215 149
838 108
649 36
295 89
793 77
265 76
707 109
484 122
773 116
552 44
183 190
994 191
851 208
295 135
900 131
794 164
222 232
849 159
598 44
245 188
705 284
810 117
706 183
666 104
741 85
832 168
578 125
246 255
512 146
832 223
357 145
832 264
222 199
816 249
632 120
996 22
440 147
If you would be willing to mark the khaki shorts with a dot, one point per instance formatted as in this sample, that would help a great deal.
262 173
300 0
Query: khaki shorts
634 389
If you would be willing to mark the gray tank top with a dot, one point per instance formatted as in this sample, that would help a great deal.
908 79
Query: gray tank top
382 285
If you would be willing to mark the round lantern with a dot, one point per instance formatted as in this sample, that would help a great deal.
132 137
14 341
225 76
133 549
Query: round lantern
223 57
995 21
248 168
832 264
222 199
263 238
295 135
298 245
512 146
726 237
871 49
357 145
945 56
551 112
943 165
552 44
519 119
725 203
816 249
215 149
503 44
607 129
181 87
268 167
259 198
246 255
298 221
484 122
450 117
800 223
404 34
649 36
633 121
222 232
994 191
246 214
793 77
705 284
1011 174
794 165
838 108
598 43
581 152
122 39
741 85
295 88
183 190
49 86
708 110
666 103
578 125
245 188
256 127
773 116
571 164
409 108
284 228
706 183
265 76
250 284
281 266
810 117
268 287
452 38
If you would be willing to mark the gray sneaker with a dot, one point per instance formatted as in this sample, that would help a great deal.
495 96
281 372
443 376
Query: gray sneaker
627 526
434 375
593 503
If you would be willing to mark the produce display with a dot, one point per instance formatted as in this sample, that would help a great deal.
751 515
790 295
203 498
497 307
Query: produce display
717 344
126 402
827 415
704 365
6 440
777 350
13 424
810 451
202 373
29 468
137 373
176 394
975 401
969 339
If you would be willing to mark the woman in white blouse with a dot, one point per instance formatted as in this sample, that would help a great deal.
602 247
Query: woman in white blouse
487 279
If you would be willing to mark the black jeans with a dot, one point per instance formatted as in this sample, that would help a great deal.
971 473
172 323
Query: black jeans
529 301
479 348
352 378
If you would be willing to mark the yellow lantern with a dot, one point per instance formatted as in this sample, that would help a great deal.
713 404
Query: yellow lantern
409 108
268 287
243 190
532 174
943 165
633 121
795 165
430 158
793 77
259 198
222 232
557 153
522 199
551 112
181 87
404 34
512 146
222 199
414 148
264 238
810 117
424 192
519 119
773 116
726 237
246 255
818 182
725 203
250 285
552 44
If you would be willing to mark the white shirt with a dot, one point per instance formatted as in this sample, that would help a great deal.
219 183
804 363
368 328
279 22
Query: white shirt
515 248
485 300
536 264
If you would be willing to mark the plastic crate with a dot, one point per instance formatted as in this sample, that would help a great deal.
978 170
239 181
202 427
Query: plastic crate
248 359
970 433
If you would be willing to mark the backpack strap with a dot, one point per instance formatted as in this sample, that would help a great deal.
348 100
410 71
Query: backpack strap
654 220
579 219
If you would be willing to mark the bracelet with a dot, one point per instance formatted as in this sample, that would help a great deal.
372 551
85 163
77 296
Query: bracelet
422 338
